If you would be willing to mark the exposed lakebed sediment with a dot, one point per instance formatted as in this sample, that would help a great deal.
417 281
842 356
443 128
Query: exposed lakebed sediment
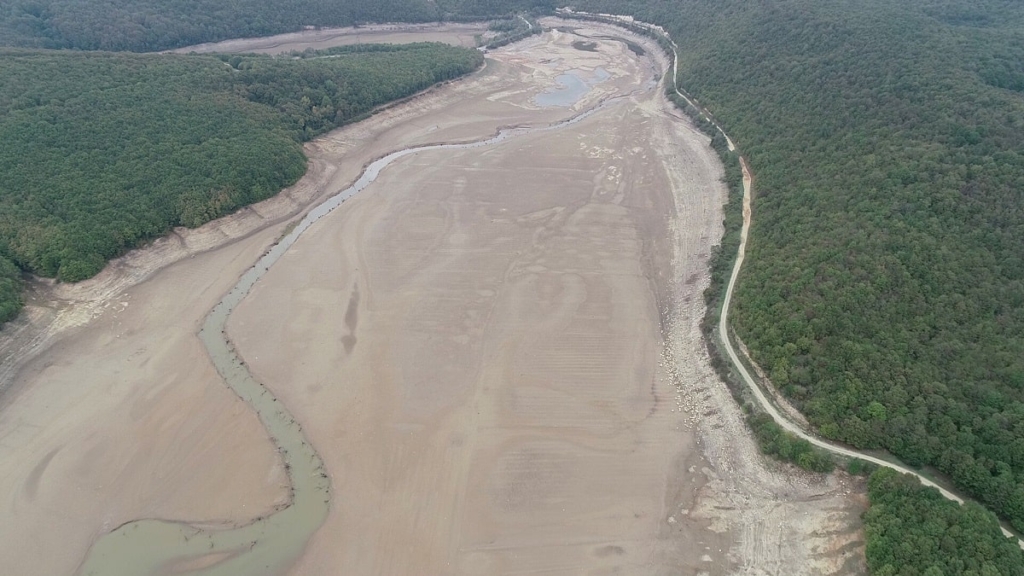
271 544
493 348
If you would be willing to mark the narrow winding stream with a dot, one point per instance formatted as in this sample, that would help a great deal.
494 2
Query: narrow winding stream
267 545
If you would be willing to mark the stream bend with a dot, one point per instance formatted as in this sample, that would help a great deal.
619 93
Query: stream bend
272 543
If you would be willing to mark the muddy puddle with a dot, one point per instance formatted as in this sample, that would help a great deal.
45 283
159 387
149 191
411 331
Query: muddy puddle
572 86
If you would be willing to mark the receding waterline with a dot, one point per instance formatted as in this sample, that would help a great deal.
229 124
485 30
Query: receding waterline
267 545
570 89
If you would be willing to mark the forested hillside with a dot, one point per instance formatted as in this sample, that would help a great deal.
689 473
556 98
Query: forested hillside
100 151
913 531
147 25
884 282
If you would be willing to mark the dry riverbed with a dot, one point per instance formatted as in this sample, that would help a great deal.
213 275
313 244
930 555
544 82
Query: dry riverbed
495 350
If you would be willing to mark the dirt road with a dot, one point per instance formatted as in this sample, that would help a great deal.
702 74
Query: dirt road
496 352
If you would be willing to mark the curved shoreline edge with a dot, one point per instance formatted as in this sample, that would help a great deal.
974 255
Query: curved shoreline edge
723 319
267 544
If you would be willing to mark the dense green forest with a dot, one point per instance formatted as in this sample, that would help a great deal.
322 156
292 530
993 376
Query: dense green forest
914 531
511 30
148 25
100 151
884 284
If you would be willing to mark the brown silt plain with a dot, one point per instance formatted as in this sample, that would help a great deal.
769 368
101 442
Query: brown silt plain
495 350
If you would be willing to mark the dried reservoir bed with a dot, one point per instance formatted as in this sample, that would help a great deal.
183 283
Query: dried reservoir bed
494 350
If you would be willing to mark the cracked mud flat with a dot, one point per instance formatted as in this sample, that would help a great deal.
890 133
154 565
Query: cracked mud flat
495 351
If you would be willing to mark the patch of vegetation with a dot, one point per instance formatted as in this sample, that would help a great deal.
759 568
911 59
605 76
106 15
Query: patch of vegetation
149 25
912 530
10 290
858 467
884 284
514 30
783 445
484 9
585 45
505 25
102 151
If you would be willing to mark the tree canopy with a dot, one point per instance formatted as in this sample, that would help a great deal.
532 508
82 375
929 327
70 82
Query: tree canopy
912 530
101 151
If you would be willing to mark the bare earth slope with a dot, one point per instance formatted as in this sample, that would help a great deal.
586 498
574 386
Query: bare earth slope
495 351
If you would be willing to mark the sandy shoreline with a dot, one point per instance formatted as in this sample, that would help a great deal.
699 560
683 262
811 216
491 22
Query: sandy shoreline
491 350
449 33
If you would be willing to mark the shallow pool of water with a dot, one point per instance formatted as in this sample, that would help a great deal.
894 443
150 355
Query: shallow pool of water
571 89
